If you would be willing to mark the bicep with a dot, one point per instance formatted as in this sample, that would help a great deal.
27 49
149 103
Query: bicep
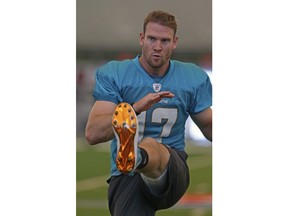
203 119
101 108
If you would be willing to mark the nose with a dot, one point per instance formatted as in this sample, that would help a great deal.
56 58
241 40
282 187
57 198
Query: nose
158 46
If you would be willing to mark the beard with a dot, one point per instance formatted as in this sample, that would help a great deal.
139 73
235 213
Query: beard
156 62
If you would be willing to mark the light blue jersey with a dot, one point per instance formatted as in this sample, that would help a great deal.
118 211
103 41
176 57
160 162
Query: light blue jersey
127 81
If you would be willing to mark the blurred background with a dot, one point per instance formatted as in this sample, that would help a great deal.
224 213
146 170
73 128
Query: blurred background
109 30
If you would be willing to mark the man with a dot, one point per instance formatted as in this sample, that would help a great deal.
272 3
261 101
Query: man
142 104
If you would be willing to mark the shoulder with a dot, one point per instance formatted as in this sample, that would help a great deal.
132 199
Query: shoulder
113 66
190 71
188 67
114 70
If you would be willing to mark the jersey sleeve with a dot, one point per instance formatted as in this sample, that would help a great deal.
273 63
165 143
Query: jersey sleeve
106 88
203 97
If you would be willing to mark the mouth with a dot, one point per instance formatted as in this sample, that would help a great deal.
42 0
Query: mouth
156 55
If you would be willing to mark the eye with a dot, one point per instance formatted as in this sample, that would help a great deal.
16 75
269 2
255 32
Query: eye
165 41
152 39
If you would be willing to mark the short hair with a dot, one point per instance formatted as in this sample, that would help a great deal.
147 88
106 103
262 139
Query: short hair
162 18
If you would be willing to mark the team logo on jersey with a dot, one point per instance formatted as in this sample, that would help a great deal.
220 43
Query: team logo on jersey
157 87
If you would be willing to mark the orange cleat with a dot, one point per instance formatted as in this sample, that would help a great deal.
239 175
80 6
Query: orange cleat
125 126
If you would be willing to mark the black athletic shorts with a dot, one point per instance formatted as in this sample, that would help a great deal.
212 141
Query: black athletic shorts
129 195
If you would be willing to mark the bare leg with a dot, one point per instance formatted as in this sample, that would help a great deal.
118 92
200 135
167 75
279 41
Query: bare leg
158 158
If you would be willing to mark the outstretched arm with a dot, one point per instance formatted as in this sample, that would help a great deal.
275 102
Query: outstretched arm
204 121
99 124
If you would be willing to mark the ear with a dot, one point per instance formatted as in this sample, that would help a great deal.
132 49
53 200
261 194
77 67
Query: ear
175 41
141 39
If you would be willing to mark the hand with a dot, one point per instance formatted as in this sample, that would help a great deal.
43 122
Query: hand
146 102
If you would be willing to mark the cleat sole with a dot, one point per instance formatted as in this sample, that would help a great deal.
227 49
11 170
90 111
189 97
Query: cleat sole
125 127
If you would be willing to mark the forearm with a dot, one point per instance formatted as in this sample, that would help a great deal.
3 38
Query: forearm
99 129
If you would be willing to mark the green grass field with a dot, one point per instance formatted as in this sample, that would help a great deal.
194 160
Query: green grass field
92 170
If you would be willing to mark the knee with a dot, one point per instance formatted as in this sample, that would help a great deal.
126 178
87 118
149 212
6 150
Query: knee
147 141
157 153
151 146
